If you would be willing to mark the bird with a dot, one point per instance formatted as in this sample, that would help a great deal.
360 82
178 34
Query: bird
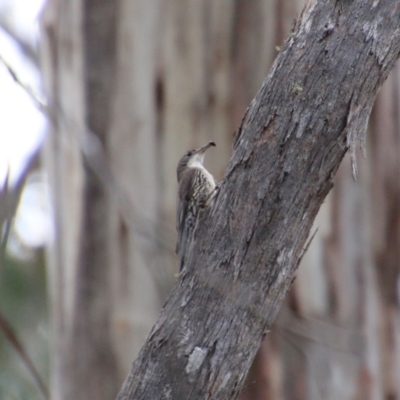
196 192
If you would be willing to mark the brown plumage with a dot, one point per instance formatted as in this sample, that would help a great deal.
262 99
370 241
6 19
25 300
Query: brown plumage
196 192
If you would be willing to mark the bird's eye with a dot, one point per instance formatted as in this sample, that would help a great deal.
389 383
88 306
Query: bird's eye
189 153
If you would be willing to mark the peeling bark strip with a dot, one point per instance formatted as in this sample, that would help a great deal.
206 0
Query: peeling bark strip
312 107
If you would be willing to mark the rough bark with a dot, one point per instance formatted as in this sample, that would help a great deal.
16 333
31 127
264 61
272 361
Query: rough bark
313 106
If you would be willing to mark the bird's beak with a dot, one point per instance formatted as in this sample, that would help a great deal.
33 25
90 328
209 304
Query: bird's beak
201 150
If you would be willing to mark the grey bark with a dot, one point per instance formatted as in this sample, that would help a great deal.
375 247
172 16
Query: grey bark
311 108
140 271
78 60
91 330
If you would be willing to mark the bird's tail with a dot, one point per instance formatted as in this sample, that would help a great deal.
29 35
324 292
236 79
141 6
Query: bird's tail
184 239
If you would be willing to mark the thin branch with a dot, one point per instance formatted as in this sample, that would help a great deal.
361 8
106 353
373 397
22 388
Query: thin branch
9 200
4 219
39 102
11 336
26 48
305 249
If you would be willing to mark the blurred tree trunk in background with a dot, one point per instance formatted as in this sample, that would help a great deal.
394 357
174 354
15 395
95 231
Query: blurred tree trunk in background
153 79
79 68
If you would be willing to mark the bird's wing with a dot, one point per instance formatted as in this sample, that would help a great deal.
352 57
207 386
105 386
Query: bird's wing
185 193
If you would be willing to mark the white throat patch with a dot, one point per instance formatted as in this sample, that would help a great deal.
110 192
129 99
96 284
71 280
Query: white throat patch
196 161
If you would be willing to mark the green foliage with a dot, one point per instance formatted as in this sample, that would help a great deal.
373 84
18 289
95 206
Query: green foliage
23 303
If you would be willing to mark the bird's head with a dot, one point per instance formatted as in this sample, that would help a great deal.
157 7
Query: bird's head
192 158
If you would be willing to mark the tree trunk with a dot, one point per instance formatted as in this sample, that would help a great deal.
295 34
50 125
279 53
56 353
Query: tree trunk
313 106
78 81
